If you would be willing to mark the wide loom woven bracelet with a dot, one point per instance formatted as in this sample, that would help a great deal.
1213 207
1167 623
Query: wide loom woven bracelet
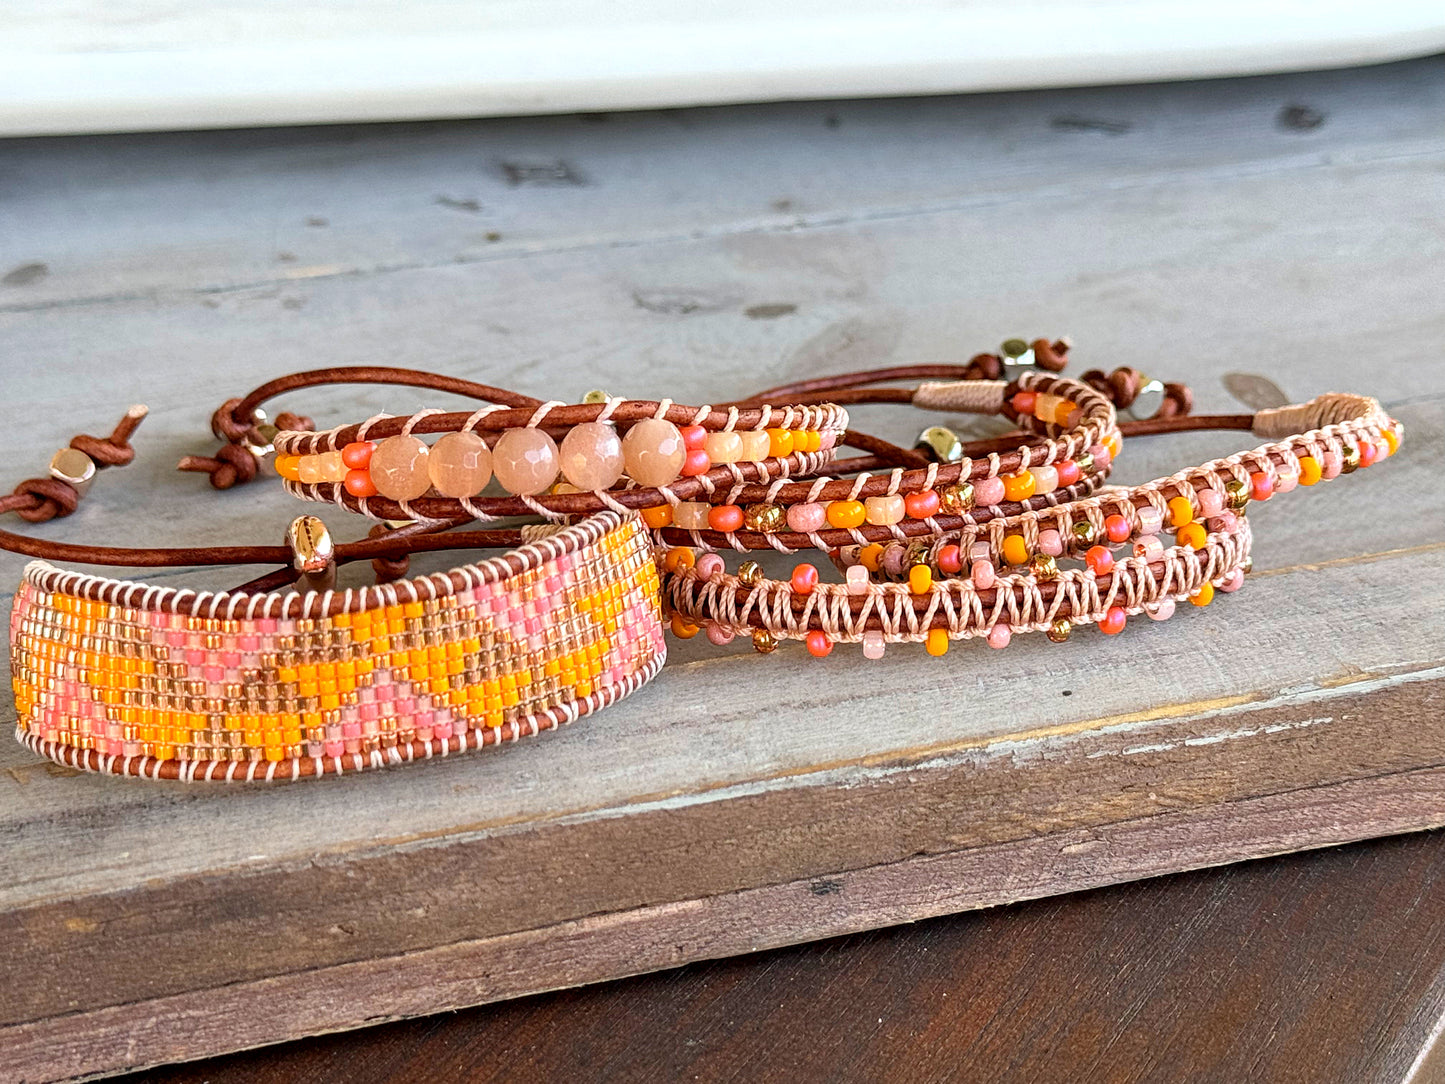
1328 436
1069 437
129 679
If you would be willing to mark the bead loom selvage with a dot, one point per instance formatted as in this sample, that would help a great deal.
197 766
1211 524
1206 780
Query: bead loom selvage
158 682
955 587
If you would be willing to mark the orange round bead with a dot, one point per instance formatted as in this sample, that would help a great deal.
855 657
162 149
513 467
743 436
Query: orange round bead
1192 535
937 642
845 514
1112 623
358 483
804 579
659 515
1015 549
1181 511
1204 596
819 646
678 558
1310 470
921 505
1019 487
682 628
780 442
357 454
725 517
870 555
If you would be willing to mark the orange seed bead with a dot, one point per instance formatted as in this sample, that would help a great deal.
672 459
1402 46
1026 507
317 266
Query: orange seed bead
844 514
1019 487
937 642
659 515
1310 470
1192 535
1181 511
1015 549
1204 596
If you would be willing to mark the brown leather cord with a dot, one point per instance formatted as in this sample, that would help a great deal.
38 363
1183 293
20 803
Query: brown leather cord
36 500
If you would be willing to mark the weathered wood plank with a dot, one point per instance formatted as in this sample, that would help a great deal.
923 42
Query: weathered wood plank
1209 247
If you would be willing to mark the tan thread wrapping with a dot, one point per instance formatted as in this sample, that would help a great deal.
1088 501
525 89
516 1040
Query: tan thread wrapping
961 396
1319 413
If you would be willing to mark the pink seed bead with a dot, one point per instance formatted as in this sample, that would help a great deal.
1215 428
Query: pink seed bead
873 644
999 636
1162 610
857 579
893 556
709 565
720 635
1151 520
1149 547
1051 542
807 518
982 575
1332 465
826 439
1286 479
1233 582
978 551
1210 502
988 491
1101 455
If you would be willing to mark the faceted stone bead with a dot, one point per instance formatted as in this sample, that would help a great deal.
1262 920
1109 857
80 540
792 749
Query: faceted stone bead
399 468
460 465
592 456
653 452
524 461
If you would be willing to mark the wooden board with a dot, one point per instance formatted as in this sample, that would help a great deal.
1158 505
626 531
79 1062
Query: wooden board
737 803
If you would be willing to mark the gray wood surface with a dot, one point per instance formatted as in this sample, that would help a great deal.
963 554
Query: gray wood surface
738 802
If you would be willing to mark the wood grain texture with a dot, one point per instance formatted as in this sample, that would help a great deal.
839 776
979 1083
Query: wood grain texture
705 253
1320 967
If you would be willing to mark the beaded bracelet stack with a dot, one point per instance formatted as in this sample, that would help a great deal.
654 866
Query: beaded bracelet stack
954 588
128 679
664 452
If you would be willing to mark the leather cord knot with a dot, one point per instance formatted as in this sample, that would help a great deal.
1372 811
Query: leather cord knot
1123 385
232 465
37 500
235 463
388 569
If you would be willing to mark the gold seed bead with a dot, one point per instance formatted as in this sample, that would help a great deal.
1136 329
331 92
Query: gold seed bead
1059 630
764 517
1085 462
750 574
1238 494
1043 567
1084 534
916 554
764 642
956 499
1248 565
1350 459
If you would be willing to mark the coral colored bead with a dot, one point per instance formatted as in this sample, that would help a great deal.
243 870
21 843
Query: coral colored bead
1100 560
694 437
659 515
682 628
884 511
719 635
1023 401
725 517
1192 535
804 579
460 465
524 461
921 505
1015 549
1116 527
1309 470
1181 511
780 442
937 642
358 484
678 558
845 513
999 636
1261 486
988 491
398 467
1112 623
950 560
696 463
983 575
1051 543
920 579
709 565
1019 487
873 644
357 455
807 518
1368 453
818 644
1069 472
1204 596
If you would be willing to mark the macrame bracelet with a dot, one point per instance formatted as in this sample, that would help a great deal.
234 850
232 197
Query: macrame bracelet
1070 435
129 679
1205 506
382 469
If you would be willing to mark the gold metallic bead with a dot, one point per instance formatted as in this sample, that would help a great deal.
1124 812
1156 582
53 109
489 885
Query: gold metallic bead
750 573
956 499
764 642
1059 630
1085 462
1017 354
311 546
1043 567
1350 459
596 395
74 466
915 554
1084 534
1237 493
940 443
764 517
1248 565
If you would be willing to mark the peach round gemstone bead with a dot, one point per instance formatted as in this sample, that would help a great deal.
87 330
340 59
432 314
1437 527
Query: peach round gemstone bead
592 456
653 452
724 447
756 445
884 511
524 461
460 465
399 468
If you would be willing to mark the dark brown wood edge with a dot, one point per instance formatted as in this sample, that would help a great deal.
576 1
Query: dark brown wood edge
927 839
